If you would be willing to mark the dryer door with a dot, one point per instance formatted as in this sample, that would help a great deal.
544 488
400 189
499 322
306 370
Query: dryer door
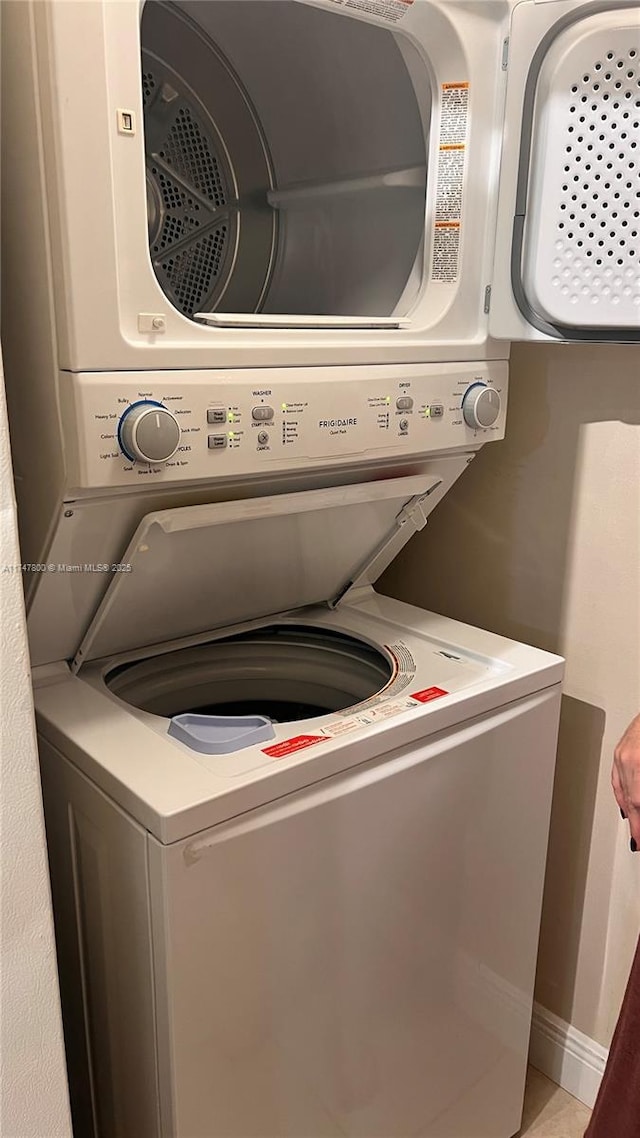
195 569
567 261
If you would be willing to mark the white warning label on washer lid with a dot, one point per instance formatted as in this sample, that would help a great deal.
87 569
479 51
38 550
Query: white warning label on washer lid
372 715
391 10
454 115
342 727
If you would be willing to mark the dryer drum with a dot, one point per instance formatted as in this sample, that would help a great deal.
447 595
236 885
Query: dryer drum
285 158
285 673
211 228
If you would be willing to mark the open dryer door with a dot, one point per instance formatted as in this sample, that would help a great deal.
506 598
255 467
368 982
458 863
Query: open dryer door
567 260
196 569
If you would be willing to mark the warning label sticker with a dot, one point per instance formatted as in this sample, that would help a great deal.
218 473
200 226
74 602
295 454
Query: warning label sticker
450 176
340 727
404 668
289 746
387 711
427 694
446 249
372 715
391 10
451 166
454 114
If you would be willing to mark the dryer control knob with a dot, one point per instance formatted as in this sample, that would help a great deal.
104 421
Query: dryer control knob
147 432
481 406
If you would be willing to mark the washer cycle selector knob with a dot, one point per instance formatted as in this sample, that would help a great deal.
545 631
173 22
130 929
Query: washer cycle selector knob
481 406
147 432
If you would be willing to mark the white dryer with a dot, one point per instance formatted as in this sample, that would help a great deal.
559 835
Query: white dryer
297 834
207 206
283 182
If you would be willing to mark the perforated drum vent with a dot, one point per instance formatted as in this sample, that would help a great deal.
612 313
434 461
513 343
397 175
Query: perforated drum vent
188 224
596 258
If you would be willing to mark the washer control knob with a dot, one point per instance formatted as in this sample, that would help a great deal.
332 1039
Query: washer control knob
481 406
147 432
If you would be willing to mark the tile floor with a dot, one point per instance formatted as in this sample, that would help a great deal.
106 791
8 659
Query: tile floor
550 1112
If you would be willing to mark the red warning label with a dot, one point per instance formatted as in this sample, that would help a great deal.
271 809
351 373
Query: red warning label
298 743
427 694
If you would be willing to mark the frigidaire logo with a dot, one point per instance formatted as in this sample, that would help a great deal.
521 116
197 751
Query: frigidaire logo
337 422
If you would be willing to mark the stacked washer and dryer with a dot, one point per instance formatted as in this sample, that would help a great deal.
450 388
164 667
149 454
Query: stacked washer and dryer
262 260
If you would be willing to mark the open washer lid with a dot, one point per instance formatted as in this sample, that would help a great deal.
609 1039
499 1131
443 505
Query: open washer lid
199 568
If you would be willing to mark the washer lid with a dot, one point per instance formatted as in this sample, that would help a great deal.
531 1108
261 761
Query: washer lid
200 568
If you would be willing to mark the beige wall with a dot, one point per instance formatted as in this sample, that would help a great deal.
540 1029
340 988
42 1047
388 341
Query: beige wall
33 1086
540 540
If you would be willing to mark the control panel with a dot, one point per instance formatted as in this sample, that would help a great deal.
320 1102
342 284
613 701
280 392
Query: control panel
133 428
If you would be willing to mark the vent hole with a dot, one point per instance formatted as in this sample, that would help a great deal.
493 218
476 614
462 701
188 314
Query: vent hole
593 227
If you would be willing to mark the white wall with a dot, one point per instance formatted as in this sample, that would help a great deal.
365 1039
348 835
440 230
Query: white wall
540 541
33 1088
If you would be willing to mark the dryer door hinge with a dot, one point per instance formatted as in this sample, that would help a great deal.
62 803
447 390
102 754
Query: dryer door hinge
487 300
505 54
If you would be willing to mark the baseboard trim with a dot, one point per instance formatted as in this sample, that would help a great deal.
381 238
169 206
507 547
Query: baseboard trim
566 1056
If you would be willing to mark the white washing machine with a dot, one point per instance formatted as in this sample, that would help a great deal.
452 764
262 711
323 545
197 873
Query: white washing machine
297 833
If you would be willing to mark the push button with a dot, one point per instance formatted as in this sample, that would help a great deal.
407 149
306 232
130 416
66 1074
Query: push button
404 403
436 410
216 415
262 414
263 438
217 442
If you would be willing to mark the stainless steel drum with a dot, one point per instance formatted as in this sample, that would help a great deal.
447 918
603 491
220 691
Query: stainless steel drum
286 159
